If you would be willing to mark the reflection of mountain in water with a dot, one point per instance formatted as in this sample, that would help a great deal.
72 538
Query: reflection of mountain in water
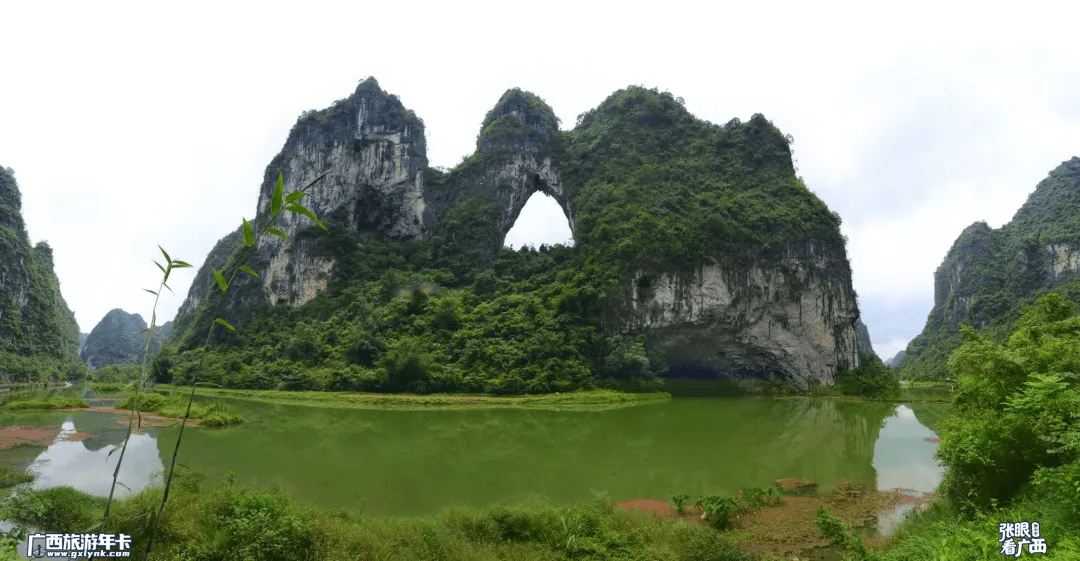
930 415
67 463
904 458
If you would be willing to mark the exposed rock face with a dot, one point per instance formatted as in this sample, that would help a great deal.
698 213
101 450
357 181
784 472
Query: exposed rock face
34 319
82 341
116 339
793 315
988 272
862 338
765 321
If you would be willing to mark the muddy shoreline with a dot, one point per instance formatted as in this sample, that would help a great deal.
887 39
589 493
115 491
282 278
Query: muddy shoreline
787 530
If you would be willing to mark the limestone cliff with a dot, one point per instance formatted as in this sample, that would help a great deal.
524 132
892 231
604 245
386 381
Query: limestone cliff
38 334
988 273
768 294
862 338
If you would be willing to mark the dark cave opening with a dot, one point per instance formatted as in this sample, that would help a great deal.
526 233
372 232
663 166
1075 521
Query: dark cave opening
692 372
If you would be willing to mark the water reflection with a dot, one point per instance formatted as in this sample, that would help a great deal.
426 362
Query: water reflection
410 462
73 463
904 459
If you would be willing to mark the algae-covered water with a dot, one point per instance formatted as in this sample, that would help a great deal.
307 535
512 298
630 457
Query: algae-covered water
419 462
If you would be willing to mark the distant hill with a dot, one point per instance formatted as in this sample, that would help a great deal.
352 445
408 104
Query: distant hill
116 339
989 276
895 360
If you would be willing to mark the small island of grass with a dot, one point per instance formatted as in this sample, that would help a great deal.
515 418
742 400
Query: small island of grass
174 406
51 402
582 400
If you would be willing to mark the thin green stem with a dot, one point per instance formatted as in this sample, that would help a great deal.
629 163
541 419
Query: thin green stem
202 364
134 404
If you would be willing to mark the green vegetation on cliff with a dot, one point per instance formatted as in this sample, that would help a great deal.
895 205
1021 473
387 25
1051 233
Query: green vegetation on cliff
38 333
654 188
660 189
989 276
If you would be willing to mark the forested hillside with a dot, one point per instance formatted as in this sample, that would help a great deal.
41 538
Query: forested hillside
38 333
989 275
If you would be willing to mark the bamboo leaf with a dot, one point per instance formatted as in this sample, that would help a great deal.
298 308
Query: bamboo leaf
301 209
317 179
249 235
143 330
224 323
278 233
221 280
165 253
166 286
279 191
151 291
114 449
180 264
160 267
294 196
247 270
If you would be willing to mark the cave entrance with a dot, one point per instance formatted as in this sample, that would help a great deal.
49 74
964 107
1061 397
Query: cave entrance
691 372
541 222
697 380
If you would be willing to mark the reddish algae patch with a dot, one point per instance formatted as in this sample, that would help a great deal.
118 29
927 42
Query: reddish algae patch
15 435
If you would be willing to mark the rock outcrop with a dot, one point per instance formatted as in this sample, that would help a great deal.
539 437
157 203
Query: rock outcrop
34 319
116 339
988 273
791 312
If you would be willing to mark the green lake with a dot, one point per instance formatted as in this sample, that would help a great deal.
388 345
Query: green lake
419 462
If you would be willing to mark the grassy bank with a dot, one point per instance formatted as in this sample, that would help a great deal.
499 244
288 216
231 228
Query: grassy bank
943 532
235 523
10 477
174 405
580 400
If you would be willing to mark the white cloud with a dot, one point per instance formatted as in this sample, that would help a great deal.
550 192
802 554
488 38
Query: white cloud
131 125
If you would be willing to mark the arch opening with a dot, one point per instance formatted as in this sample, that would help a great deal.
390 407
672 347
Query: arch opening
540 222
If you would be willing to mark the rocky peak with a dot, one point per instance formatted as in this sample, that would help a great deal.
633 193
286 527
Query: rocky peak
381 187
114 340
519 123
118 339
987 273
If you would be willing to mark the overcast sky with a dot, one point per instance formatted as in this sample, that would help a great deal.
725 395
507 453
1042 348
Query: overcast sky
131 125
